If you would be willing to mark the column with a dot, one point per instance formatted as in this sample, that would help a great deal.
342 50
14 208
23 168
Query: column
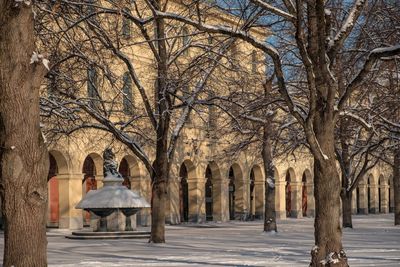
173 215
297 211
354 202
384 198
280 199
220 200
197 196
310 199
363 199
391 199
374 199
259 195
70 190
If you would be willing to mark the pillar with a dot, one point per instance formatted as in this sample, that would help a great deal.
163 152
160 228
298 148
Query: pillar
310 199
220 200
70 190
296 211
391 200
363 195
354 202
384 198
280 199
197 197
259 195
374 199
140 186
173 205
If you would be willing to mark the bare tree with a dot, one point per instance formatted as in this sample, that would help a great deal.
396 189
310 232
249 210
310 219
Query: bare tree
317 40
23 154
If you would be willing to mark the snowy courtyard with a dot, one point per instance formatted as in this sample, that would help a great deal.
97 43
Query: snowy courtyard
373 242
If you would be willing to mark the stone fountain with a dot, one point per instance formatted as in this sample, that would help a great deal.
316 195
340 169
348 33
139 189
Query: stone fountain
111 203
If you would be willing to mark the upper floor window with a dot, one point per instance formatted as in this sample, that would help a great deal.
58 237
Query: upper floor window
127 94
126 25
185 39
254 62
92 85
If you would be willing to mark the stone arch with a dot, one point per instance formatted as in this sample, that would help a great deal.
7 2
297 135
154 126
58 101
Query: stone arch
307 194
183 193
381 194
362 196
130 170
58 166
215 206
92 169
236 192
290 199
371 194
257 192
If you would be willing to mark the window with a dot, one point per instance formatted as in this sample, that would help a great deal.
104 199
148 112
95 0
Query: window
126 28
92 92
126 25
185 40
127 94
254 61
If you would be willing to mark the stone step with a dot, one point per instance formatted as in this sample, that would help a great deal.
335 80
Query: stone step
109 235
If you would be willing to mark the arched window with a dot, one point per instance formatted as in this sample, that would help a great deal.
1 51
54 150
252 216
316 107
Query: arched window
127 94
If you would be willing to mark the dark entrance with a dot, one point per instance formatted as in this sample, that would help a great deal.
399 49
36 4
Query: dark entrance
369 196
125 172
231 195
53 193
209 196
288 195
184 194
304 195
252 195
358 199
89 182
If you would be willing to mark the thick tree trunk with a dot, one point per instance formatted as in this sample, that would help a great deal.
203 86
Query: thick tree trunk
328 250
346 197
161 164
396 187
328 234
159 193
269 209
23 155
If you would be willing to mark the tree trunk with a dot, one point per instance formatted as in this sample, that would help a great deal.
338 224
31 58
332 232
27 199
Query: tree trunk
396 187
346 197
159 192
270 215
328 250
23 155
161 164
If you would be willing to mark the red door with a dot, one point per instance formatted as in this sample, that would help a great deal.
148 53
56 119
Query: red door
54 200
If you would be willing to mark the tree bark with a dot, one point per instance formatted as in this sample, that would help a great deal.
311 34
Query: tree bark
328 250
159 192
396 187
269 208
346 197
23 155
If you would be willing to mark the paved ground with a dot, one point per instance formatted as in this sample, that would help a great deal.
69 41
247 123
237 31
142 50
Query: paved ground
374 242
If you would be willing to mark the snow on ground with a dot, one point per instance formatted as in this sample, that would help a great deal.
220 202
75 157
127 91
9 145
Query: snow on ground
373 242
